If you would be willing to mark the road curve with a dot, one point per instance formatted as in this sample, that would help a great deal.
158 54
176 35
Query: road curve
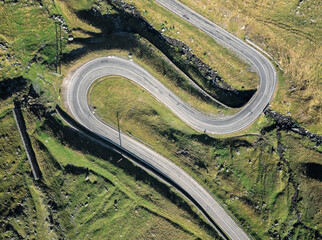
77 103
263 66
76 100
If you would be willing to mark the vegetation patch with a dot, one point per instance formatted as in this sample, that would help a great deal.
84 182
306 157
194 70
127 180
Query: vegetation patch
86 192
290 31
245 173
124 18
89 191
229 66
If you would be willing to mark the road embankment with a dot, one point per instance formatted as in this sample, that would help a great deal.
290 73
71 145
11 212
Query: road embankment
26 141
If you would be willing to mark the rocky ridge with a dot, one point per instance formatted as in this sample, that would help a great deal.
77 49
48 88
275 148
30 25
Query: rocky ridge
289 124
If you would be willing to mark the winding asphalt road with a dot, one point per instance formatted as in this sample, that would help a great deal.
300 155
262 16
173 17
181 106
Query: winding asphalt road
77 87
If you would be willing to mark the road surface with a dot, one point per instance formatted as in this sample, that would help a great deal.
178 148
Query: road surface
77 87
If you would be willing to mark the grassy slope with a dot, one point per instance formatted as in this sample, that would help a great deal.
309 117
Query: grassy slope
229 67
244 173
290 31
143 197
36 19
143 53
29 45
21 205
110 198
84 205
36 61
23 29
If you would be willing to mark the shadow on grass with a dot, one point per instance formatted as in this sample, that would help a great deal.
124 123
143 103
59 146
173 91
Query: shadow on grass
129 22
9 87
80 142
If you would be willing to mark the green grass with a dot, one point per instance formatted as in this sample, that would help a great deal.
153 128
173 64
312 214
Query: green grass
136 108
177 57
109 198
142 51
16 203
43 227
242 172
155 62
12 153
290 31
229 66
25 30
105 184
28 35
158 65
56 205
302 151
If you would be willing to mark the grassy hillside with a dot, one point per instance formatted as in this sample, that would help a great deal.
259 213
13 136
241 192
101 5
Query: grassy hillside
230 68
84 192
267 179
28 46
290 31
255 177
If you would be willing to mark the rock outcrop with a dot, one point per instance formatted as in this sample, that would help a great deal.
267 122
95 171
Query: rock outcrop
289 124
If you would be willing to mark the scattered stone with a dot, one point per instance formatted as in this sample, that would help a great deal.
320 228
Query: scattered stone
289 124
60 19
70 38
